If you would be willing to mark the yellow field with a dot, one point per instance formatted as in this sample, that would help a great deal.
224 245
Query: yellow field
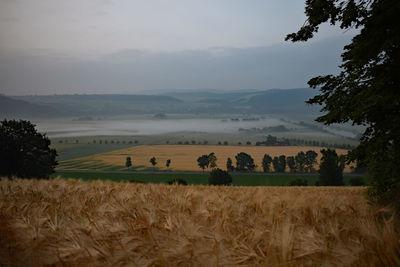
74 223
184 157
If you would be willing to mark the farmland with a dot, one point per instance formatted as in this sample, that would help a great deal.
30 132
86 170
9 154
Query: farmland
69 223
183 157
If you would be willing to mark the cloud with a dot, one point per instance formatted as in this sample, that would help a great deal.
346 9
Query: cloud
128 71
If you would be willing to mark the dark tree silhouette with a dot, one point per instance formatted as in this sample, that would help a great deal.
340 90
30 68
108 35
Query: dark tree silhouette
367 90
244 162
24 152
153 161
300 161
167 163
203 162
212 159
128 162
266 163
311 159
219 177
229 165
330 168
291 163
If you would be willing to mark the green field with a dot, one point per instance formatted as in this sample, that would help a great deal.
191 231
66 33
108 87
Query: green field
195 179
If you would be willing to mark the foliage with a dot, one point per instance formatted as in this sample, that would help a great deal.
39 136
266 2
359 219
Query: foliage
177 181
219 177
356 181
153 161
24 152
244 162
330 168
299 182
279 163
291 162
212 160
300 161
229 165
266 163
203 161
311 159
367 90
128 162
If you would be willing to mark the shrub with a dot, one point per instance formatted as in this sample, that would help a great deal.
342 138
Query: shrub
177 181
357 181
219 177
299 182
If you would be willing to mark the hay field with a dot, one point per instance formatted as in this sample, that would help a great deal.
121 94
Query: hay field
183 157
74 223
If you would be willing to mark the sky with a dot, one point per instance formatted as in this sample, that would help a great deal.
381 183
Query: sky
131 46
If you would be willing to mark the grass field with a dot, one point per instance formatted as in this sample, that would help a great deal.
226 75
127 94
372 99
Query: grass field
183 157
194 179
70 223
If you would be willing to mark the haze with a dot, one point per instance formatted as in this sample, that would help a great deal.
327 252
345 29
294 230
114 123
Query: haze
65 47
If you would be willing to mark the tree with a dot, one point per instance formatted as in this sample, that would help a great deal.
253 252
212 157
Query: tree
153 161
367 90
229 165
244 162
203 162
291 163
266 163
219 177
212 159
168 163
331 168
24 152
311 159
300 161
128 162
299 182
279 163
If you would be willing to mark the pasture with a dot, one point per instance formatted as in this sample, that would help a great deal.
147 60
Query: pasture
183 157
70 223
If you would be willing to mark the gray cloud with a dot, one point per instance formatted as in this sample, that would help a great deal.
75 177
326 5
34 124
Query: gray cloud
129 71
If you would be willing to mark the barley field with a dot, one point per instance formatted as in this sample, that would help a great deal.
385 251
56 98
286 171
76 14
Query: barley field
183 157
74 223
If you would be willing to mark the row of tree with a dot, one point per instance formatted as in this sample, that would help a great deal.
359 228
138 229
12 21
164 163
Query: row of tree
302 162
153 161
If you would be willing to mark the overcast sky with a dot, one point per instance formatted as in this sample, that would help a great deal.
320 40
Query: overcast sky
129 46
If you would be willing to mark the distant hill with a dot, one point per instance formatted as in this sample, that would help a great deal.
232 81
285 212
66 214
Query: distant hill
278 101
19 109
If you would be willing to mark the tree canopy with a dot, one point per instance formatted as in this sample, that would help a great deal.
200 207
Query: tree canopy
244 162
331 168
24 152
367 89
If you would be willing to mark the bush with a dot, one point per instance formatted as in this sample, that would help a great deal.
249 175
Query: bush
177 181
357 181
299 182
219 177
24 152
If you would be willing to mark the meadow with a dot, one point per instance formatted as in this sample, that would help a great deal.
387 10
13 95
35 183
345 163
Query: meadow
69 223
183 157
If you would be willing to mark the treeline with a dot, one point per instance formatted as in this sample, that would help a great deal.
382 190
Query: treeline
275 141
100 141
303 162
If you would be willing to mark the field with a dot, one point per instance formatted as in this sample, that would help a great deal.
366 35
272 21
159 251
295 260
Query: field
70 223
238 179
183 157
